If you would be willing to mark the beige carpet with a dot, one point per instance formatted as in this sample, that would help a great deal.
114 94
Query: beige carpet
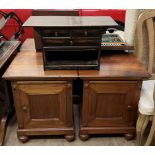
95 140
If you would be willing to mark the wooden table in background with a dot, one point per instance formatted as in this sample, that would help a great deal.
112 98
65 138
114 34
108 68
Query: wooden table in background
7 53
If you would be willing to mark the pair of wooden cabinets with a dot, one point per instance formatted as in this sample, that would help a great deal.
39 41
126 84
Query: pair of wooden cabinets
45 107
44 99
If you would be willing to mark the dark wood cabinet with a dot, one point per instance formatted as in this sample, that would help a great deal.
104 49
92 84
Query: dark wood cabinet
43 105
71 42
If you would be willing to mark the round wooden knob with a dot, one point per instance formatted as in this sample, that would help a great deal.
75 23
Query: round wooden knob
14 86
86 85
69 85
129 107
24 108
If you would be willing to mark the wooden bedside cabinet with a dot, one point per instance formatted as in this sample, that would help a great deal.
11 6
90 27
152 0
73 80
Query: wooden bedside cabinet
111 95
110 106
43 99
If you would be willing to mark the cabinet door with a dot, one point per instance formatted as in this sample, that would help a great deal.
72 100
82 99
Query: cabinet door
110 104
43 104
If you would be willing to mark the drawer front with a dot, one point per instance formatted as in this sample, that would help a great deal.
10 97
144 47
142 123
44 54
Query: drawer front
110 104
71 38
56 42
86 33
55 33
71 42
71 33
86 42
43 104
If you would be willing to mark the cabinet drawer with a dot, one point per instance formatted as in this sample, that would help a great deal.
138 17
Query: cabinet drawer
55 33
86 42
86 33
56 42
70 42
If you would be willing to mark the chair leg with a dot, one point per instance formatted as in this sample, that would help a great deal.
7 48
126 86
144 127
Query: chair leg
151 134
145 123
138 129
142 123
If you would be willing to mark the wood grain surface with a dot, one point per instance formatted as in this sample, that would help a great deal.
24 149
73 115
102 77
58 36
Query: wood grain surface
59 21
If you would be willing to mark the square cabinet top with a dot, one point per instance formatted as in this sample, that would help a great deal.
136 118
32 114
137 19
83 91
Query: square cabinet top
70 21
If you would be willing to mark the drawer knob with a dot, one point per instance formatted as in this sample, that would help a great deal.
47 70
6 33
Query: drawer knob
86 85
85 33
71 43
24 108
129 107
14 86
56 34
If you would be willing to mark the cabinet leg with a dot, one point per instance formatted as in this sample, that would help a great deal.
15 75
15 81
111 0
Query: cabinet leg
84 137
129 136
23 139
70 137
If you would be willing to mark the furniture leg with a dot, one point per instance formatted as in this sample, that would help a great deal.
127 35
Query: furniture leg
23 138
70 137
83 136
129 136
142 123
151 134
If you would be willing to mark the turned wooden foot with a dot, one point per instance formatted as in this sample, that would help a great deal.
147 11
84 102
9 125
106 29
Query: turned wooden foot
69 138
84 137
129 136
23 139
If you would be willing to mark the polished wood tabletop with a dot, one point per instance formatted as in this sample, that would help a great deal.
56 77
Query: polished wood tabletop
117 65
70 21
28 65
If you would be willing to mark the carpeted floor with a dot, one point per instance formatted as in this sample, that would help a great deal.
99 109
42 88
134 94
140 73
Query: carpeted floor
95 140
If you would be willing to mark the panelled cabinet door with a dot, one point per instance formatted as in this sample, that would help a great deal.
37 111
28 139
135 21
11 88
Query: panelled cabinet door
43 104
110 104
